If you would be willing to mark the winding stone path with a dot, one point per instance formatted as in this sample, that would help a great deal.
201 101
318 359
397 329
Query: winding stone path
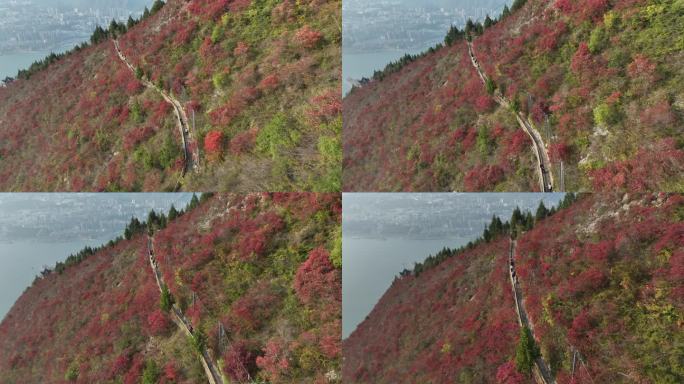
542 373
213 374
540 151
190 149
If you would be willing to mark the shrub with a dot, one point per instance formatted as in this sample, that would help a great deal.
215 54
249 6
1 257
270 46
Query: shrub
151 373
317 278
491 86
213 144
277 135
597 40
71 373
239 362
243 142
607 114
158 322
308 37
507 374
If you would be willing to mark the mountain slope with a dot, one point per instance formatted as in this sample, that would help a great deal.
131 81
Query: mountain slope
256 80
600 81
255 278
600 282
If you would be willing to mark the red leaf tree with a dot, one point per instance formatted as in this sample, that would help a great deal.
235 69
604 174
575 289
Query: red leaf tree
317 279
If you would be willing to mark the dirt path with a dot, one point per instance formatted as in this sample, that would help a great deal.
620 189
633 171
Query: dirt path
543 161
190 149
181 321
542 373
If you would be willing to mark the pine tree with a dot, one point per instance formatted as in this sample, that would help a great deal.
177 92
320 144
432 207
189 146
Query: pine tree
166 300
173 213
158 4
194 202
542 212
526 352
488 22
517 4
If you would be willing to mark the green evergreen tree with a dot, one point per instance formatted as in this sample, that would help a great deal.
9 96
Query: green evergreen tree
526 352
130 23
158 4
146 13
469 27
173 213
517 4
491 86
542 212
98 35
199 340
166 299
506 12
194 202
453 35
488 22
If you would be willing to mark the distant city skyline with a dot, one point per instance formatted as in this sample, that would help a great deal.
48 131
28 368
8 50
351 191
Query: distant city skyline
32 29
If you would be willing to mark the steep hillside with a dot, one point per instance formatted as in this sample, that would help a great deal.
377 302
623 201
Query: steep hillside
594 85
241 94
598 287
250 282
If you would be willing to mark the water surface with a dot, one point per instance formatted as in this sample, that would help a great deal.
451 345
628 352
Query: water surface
22 261
370 265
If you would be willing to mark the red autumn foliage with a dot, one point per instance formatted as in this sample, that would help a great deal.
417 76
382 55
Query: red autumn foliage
308 37
582 60
587 10
158 322
241 49
559 151
642 66
213 142
507 373
170 373
317 279
650 167
243 142
269 82
483 178
325 107
274 362
239 362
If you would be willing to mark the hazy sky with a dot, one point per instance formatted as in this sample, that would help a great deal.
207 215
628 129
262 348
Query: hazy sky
38 229
386 233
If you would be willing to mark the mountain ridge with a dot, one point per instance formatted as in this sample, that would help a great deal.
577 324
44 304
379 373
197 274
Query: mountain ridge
257 80
595 78
255 276
600 282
